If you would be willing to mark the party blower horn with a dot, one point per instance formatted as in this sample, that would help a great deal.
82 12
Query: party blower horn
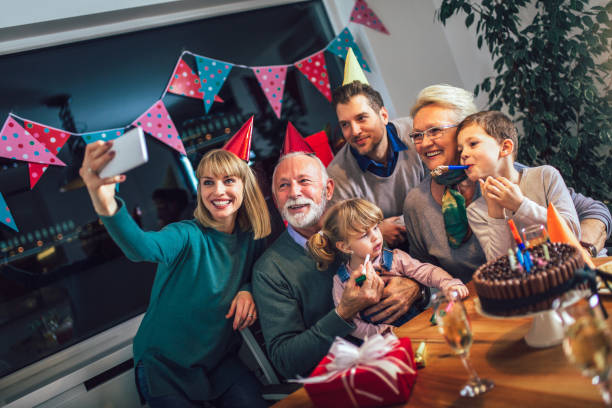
559 231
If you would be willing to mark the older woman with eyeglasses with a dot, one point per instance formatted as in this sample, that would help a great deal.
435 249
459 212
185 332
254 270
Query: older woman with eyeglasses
435 210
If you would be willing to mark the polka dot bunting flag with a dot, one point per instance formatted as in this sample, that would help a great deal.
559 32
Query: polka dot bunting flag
17 144
314 69
212 75
272 82
102 135
185 82
156 121
52 138
363 14
342 43
5 215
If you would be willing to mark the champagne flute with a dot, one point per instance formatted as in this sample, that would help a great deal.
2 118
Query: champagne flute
587 341
454 325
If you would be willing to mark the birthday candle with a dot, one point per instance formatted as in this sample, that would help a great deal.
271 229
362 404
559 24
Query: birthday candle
545 250
511 259
515 234
362 278
519 257
528 262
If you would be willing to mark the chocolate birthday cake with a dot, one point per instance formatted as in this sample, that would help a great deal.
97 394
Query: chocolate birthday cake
506 292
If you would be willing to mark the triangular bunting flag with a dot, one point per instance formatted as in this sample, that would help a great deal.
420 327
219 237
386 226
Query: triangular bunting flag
559 231
294 141
17 144
315 70
363 14
352 71
320 145
341 44
156 121
5 215
185 82
103 135
272 82
36 171
52 138
212 75
240 143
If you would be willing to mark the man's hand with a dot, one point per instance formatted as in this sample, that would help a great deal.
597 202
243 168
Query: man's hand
399 294
593 232
393 231
356 298
243 310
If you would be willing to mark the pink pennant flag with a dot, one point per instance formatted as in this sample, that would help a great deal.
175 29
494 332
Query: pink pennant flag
52 138
17 144
314 69
363 14
156 121
185 82
272 82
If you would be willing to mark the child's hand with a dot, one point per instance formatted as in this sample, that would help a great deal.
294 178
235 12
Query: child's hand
494 209
505 193
243 309
462 290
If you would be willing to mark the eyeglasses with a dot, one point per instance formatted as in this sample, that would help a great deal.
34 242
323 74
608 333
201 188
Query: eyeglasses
432 133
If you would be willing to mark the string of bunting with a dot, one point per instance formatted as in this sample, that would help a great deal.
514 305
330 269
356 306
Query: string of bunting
38 144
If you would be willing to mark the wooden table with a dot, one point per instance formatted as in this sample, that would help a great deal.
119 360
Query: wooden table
523 376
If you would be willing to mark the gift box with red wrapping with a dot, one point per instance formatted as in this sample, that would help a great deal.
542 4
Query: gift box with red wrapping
380 372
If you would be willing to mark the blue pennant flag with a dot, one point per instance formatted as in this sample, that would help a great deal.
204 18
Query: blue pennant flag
5 215
342 43
212 75
102 135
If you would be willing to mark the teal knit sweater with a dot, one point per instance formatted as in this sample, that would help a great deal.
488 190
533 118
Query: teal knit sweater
184 341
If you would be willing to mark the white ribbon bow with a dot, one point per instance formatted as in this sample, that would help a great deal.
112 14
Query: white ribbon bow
368 357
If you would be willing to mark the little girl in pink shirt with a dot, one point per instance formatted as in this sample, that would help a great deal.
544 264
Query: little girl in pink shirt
350 233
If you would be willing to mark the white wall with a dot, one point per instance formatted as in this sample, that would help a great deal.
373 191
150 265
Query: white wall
419 52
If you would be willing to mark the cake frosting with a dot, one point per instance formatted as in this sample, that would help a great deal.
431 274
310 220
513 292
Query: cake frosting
506 292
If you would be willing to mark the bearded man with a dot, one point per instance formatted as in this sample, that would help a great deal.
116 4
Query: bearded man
293 298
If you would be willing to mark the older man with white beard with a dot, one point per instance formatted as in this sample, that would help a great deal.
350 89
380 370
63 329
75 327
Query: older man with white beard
293 298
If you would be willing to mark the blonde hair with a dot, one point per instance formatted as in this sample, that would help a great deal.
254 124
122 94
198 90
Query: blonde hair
253 214
355 215
457 99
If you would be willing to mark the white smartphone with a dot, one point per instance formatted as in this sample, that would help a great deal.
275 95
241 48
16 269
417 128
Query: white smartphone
130 152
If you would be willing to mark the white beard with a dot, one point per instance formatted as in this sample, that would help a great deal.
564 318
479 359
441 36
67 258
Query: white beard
308 219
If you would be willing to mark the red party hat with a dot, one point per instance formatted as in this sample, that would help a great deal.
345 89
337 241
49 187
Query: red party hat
240 143
294 141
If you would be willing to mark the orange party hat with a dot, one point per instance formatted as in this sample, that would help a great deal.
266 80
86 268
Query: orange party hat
240 143
559 231
294 142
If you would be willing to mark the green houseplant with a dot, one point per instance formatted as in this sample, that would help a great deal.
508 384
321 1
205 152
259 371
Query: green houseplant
553 78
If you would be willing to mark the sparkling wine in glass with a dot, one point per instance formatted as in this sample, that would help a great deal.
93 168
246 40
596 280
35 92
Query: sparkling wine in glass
454 325
587 342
